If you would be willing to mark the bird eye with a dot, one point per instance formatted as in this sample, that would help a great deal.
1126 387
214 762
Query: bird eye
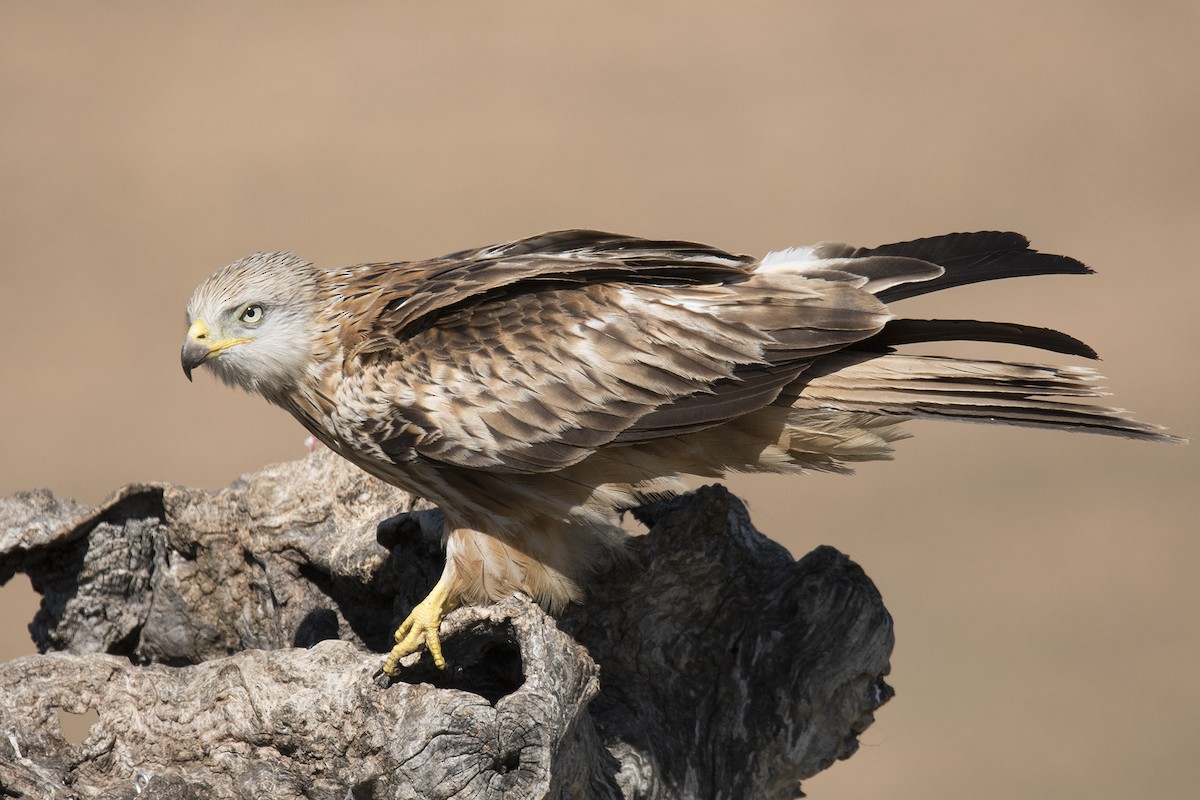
251 314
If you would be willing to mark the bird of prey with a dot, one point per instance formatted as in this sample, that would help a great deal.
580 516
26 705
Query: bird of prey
535 389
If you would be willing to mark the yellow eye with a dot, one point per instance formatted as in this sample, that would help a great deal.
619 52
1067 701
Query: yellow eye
251 314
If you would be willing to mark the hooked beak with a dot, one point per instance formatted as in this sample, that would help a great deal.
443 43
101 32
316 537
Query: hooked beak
195 347
198 347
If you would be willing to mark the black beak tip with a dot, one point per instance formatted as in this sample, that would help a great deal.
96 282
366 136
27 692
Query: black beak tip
191 357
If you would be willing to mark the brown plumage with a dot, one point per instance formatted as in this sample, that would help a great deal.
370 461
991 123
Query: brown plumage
533 389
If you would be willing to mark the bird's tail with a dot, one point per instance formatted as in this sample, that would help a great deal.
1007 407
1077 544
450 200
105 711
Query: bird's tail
1032 395
872 377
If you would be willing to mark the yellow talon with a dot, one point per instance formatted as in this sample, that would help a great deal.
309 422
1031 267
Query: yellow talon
422 627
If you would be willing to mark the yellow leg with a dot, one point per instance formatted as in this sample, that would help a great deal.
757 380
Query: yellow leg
421 627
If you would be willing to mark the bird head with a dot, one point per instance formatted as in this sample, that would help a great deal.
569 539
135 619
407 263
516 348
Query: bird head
253 323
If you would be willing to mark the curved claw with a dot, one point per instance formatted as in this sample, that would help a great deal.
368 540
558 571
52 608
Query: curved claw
421 627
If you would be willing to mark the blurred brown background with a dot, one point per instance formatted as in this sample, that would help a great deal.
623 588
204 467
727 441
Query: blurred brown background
1043 584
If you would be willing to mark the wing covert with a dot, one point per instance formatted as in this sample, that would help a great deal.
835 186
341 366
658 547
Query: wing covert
538 380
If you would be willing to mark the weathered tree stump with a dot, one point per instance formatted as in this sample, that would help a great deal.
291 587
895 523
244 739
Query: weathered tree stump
231 643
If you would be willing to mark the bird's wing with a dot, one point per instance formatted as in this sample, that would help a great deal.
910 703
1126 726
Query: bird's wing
422 291
527 357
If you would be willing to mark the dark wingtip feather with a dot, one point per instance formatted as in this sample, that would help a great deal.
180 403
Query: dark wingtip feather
971 258
914 331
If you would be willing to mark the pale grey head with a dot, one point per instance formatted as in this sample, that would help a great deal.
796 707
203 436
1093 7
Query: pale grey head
254 323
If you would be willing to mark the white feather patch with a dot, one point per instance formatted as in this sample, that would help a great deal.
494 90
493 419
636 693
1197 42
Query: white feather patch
791 259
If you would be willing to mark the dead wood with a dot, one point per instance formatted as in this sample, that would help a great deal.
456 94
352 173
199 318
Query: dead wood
230 643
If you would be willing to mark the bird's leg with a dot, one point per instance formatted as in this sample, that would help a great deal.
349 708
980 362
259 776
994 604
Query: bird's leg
422 625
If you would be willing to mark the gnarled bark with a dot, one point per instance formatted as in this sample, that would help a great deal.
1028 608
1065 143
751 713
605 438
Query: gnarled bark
230 643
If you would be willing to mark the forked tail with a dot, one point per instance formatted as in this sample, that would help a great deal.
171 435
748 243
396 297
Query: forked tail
872 377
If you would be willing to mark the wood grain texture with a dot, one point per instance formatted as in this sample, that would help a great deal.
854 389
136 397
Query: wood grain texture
230 644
